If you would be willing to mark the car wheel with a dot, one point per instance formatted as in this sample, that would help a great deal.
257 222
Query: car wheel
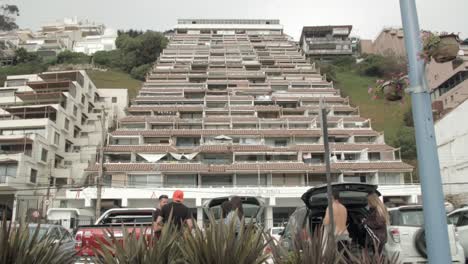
420 242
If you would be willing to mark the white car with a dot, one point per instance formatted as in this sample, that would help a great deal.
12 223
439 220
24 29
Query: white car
459 218
406 236
275 232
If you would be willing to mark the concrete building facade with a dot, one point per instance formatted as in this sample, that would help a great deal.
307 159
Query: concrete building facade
231 108
390 42
452 144
50 128
449 82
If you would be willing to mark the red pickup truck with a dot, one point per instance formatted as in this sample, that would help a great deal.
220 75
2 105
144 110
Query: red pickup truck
112 221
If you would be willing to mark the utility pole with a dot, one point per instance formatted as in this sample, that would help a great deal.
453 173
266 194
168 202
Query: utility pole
101 163
324 123
49 178
435 219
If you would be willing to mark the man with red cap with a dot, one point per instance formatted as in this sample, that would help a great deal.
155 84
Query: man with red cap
175 211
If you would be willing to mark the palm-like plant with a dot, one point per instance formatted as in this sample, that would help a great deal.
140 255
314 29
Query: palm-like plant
19 245
308 249
221 243
140 248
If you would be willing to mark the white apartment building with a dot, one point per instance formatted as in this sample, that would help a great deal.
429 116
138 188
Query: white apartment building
231 108
50 128
452 143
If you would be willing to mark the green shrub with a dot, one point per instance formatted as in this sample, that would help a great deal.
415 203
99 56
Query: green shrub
139 72
218 243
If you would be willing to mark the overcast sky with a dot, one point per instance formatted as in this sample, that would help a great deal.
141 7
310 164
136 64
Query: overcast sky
368 17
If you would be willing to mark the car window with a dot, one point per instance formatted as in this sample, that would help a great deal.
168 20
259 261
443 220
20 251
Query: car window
464 219
54 233
65 234
453 218
411 218
276 231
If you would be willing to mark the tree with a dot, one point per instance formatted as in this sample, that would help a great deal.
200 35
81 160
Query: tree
7 17
23 56
405 139
72 57
139 72
408 118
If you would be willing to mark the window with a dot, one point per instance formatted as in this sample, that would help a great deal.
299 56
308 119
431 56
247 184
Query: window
453 219
44 155
67 123
8 169
216 180
75 110
56 138
83 98
114 99
181 180
33 176
107 180
251 180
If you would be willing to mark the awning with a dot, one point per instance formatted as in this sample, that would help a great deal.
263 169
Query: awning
176 156
223 137
152 157
191 156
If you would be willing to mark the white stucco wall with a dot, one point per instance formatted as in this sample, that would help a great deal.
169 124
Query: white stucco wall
452 142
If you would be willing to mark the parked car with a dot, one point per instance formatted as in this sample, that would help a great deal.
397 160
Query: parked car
253 207
405 221
275 232
407 239
459 218
114 220
56 232
310 216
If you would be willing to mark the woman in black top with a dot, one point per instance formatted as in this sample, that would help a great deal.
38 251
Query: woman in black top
376 223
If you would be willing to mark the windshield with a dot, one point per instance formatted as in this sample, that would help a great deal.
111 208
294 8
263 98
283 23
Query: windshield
346 197
40 235
407 218
276 231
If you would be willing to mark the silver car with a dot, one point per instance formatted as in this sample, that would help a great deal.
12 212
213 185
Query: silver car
56 232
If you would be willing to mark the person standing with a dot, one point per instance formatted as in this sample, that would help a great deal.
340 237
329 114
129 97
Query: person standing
236 215
226 208
163 200
340 217
376 223
175 212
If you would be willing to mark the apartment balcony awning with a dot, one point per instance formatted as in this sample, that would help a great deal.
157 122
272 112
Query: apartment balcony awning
8 161
47 97
15 140
26 112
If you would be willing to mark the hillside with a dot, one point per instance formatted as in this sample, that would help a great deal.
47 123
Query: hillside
115 79
386 117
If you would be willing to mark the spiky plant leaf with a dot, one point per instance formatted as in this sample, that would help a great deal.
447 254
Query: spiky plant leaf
307 249
18 245
140 248
220 243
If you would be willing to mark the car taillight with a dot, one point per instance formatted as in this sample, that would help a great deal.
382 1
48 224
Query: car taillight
79 239
395 235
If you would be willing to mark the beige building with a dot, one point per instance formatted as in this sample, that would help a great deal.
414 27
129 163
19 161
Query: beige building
231 107
390 42
448 81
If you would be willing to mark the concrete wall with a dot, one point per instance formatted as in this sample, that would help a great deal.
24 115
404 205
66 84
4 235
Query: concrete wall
452 142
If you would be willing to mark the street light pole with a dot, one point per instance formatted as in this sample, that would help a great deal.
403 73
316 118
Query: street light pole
435 219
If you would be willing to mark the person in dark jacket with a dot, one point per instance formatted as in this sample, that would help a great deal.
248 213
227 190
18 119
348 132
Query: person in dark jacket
376 223
226 208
